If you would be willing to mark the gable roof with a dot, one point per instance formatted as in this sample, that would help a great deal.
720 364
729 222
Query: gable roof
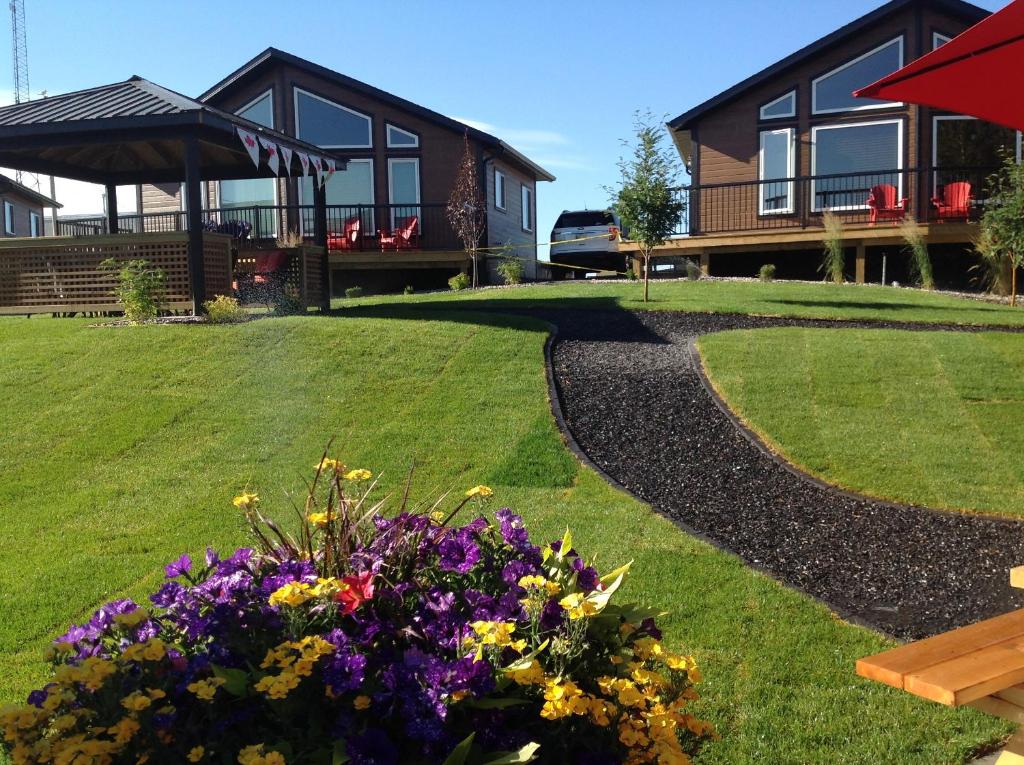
12 186
273 56
967 11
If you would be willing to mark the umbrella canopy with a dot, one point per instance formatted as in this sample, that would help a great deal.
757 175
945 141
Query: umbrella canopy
979 73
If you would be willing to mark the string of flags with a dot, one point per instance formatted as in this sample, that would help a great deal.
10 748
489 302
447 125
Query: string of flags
279 157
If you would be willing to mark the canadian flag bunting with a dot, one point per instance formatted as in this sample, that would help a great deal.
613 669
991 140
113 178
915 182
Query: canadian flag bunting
304 161
332 167
318 165
273 160
250 144
286 158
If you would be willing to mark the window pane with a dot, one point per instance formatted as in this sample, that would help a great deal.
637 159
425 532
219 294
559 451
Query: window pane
835 91
783 107
398 137
405 191
775 163
350 187
246 194
970 150
325 124
863 154
499 190
261 112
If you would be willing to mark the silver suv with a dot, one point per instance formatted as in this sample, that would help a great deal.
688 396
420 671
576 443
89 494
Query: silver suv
585 239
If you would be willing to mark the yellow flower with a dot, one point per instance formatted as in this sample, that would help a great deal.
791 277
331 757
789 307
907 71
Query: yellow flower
253 755
577 605
205 689
327 463
136 701
196 754
361 702
360 474
480 491
531 675
244 500
320 519
537 582
132 618
292 594
123 730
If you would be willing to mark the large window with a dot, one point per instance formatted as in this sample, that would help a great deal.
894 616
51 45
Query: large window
352 189
964 148
252 192
404 191
860 155
781 107
330 125
776 165
8 218
833 92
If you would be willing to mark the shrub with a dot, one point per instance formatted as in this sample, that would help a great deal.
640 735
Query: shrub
286 304
693 272
835 255
224 310
631 274
408 290
511 270
290 239
140 288
920 261
459 282
994 270
354 292
370 634
767 272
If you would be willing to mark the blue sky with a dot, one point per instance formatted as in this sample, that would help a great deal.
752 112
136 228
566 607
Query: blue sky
558 79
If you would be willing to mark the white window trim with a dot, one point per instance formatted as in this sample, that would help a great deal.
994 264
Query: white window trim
373 190
388 127
790 172
845 125
772 103
936 36
298 130
35 224
527 208
392 161
277 188
504 190
255 101
847 65
9 217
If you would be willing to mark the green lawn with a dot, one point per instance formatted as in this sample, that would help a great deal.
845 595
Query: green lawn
930 418
820 301
121 448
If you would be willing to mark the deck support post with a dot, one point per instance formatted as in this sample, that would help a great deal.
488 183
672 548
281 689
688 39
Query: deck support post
320 239
111 191
194 217
705 264
862 262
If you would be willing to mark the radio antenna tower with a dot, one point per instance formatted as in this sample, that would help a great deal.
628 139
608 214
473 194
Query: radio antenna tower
19 50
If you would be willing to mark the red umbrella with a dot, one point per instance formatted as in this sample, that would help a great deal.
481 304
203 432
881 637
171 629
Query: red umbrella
980 72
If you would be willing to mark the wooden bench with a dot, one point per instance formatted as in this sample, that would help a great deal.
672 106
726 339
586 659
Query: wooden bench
981 666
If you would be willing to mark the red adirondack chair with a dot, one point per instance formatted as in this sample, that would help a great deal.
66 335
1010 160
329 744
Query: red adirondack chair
883 204
349 240
955 202
405 238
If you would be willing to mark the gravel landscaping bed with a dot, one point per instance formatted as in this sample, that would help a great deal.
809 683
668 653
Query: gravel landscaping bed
636 405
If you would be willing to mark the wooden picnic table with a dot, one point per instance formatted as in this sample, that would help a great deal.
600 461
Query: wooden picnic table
981 666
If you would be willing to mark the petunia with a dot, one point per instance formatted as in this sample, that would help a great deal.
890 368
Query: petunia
180 567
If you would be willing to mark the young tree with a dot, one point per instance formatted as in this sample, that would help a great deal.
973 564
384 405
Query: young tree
467 210
1003 221
647 199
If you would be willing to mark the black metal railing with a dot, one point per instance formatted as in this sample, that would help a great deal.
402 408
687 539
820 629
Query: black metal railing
349 227
800 202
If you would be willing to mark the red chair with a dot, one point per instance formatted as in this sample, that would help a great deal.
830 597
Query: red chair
405 238
883 204
349 240
955 203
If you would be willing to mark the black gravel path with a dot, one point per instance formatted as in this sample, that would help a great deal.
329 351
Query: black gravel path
636 405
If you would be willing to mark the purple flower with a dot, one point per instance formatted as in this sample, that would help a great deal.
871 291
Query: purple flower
180 567
373 747
458 553
586 576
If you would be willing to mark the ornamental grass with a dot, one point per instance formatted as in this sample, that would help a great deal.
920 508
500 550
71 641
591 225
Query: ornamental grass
369 635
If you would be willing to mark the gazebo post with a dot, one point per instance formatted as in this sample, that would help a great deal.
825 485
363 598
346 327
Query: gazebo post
112 222
194 217
320 240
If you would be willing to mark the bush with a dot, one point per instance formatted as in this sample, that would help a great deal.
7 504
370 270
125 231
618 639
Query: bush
920 261
767 272
140 288
693 272
511 270
631 274
286 304
459 282
224 310
408 290
370 634
354 292
835 255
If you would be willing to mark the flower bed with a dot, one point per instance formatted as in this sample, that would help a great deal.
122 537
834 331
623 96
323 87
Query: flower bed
367 638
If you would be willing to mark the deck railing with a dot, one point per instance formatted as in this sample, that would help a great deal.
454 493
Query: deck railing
267 224
800 202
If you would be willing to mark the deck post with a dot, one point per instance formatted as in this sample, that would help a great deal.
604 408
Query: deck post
320 239
705 264
194 217
862 262
111 190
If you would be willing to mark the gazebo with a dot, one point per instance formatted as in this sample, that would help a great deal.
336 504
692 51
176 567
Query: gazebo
136 132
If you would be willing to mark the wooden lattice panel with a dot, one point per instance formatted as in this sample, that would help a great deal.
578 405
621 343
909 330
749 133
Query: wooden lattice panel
313 290
217 264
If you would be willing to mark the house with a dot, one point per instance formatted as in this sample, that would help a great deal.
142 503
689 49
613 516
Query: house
770 155
22 209
402 160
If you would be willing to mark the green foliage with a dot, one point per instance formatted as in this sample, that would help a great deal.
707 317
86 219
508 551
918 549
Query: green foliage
286 304
631 274
140 288
994 271
647 200
511 269
224 310
354 292
767 272
693 272
459 282
835 255
408 289
920 261
1003 221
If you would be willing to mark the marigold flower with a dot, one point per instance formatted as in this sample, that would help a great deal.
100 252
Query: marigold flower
480 491
359 474
329 464
245 500
292 594
361 702
196 753
205 689
320 519
136 701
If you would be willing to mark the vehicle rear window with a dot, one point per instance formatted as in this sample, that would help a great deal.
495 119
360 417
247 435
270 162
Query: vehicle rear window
584 218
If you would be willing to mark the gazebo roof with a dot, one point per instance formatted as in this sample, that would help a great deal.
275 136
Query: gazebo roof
131 132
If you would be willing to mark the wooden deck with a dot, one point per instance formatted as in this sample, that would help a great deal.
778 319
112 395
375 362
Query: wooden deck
365 260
